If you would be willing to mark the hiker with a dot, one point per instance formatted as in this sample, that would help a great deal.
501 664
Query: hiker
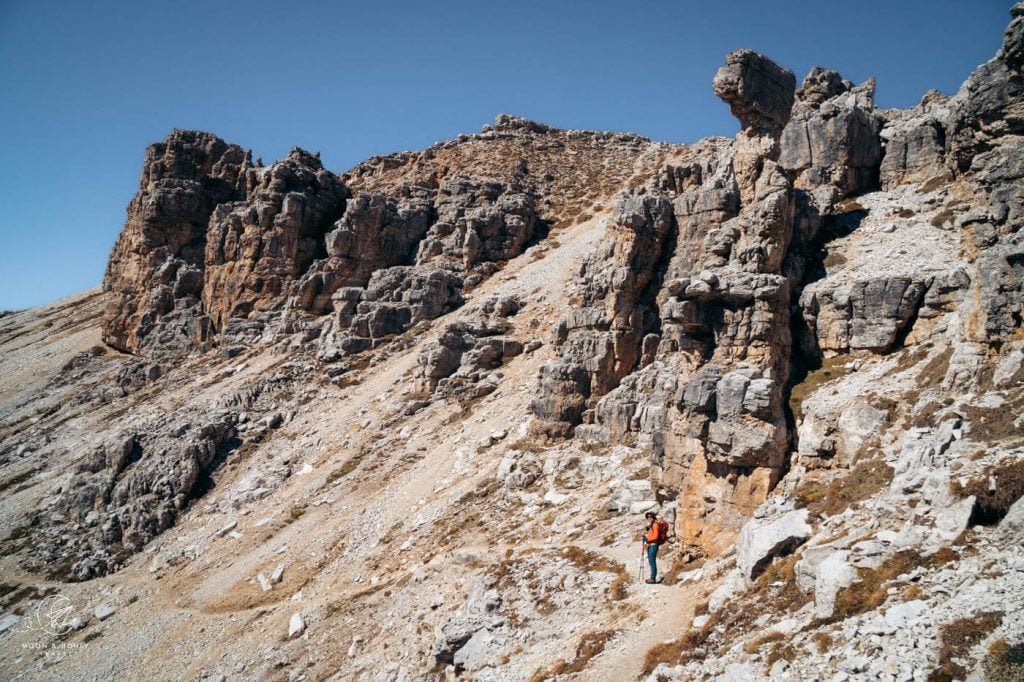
655 534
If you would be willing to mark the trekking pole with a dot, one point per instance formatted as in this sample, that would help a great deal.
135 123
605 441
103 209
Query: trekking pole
641 574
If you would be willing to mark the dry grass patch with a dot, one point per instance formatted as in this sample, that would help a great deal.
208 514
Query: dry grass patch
831 368
586 560
591 644
618 589
870 591
866 479
1004 662
754 645
958 638
992 502
823 641
991 424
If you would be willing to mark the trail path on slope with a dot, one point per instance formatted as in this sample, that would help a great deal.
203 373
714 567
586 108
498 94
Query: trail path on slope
669 611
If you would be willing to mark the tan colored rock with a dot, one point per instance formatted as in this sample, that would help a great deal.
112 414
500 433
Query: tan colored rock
156 269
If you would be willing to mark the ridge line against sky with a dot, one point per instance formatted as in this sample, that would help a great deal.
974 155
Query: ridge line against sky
88 85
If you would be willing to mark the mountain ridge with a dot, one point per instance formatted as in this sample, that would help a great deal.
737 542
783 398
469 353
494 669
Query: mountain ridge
424 401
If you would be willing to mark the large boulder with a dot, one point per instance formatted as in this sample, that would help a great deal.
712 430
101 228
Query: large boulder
758 91
764 539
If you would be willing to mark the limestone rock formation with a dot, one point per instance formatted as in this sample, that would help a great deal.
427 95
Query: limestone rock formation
692 291
256 248
155 273
831 142
424 403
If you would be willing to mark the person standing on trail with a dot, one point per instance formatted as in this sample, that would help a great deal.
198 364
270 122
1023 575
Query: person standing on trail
655 534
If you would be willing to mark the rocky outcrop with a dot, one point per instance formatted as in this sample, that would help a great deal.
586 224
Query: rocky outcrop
256 248
604 338
127 492
459 364
692 294
155 275
915 143
831 144
864 315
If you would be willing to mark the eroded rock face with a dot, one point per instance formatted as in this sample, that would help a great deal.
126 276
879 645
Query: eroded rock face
692 292
863 315
603 338
256 248
831 143
459 364
126 493
915 143
156 270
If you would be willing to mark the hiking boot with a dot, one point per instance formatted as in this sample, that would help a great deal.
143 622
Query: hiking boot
649 581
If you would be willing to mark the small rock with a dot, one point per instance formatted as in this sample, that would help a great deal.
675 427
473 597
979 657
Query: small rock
103 611
277 575
899 615
8 622
264 583
227 529
296 626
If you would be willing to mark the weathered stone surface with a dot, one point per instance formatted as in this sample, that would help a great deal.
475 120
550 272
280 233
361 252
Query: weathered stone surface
129 491
987 106
1011 528
376 232
831 575
155 272
296 625
459 364
477 222
255 249
866 314
915 143
758 91
763 539
832 139
601 338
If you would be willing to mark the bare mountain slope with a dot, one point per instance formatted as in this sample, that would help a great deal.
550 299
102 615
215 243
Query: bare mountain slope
401 423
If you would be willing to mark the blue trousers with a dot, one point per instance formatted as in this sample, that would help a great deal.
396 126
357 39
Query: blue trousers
652 559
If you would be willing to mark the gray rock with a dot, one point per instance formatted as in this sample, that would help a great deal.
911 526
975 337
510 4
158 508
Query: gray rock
902 614
1011 528
104 611
8 621
296 625
832 574
763 539
833 136
732 585
758 91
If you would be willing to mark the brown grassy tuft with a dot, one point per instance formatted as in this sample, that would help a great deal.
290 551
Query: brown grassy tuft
991 504
870 591
586 560
867 478
617 590
754 645
1004 662
591 644
822 641
958 638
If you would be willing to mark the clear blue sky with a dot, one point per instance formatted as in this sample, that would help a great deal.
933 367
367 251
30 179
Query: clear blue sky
85 86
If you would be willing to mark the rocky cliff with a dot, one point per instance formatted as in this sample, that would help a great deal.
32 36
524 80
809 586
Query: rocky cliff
312 415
